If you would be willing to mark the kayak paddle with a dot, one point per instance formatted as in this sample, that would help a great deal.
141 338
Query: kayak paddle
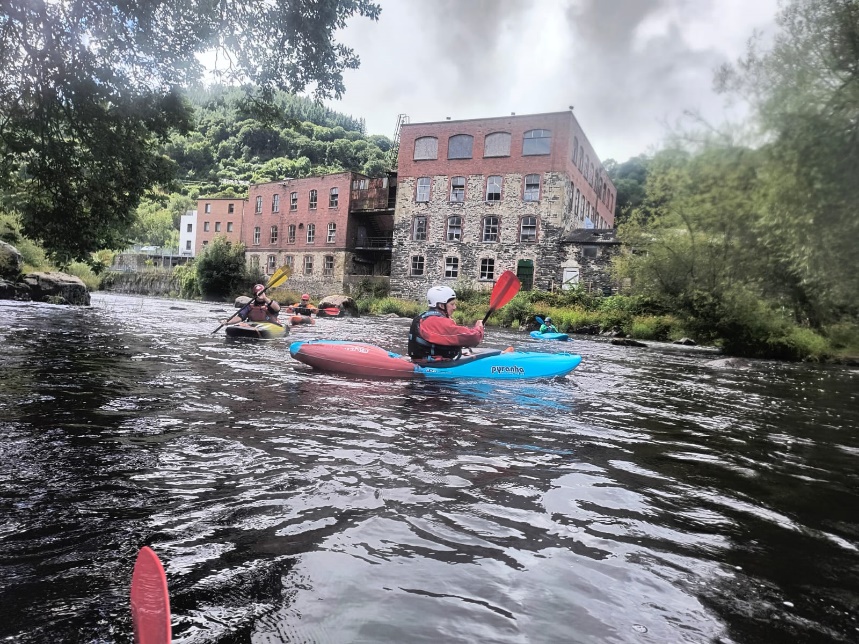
150 603
505 289
278 278
332 311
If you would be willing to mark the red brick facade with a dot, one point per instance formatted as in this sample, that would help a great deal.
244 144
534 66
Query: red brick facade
218 217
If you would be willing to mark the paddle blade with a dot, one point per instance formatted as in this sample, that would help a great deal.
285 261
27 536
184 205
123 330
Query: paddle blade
150 603
539 319
280 276
332 311
505 289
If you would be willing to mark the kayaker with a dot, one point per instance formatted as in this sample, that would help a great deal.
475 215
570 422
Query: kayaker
547 326
304 307
435 335
260 309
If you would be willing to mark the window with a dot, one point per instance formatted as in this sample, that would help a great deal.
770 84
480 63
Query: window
576 206
360 184
528 230
457 189
454 228
490 229
257 233
459 146
258 208
308 264
275 203
313 199
332 233
333 196
271 264
231 208
255 262
206 243
188 245
208 208
273 235
493 188
487 268
537 142
311 233
417 265
289 261
229 226
290 234
575 150
190 228
423 193
293 201
451 266
532 187
497 144
590 251
426 147
217 226
205 226
419 229
581 156
328 266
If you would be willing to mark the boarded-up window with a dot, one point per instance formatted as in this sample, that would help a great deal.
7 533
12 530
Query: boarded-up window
497 144
590 251
426 147
459 146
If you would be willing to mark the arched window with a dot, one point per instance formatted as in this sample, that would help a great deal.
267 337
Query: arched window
459 146
426 147
537 142
575 150
497 144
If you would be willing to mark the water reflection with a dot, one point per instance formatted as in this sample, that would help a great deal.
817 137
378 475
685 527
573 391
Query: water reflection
650 496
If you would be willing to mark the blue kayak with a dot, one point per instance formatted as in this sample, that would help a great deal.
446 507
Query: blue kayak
362 359
537 335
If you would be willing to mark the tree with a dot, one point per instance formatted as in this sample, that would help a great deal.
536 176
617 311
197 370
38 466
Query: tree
89 88
221 268
805 91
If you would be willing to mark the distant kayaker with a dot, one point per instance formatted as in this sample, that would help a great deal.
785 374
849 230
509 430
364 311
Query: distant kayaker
434 334
260 309
304 307
547 326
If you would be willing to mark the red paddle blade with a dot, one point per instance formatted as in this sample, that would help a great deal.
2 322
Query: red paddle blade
505 289
150 603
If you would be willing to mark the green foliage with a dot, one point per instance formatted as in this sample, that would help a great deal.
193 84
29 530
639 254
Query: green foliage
85 273
189 285
403 308
221 269
653 327
89 95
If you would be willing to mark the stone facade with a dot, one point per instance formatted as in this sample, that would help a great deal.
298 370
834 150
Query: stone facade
465 211
587 260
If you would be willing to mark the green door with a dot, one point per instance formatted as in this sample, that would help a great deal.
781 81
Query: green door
525 273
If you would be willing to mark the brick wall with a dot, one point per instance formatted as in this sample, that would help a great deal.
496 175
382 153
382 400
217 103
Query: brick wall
215 215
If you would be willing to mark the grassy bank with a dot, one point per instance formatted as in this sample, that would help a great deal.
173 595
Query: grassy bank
638 318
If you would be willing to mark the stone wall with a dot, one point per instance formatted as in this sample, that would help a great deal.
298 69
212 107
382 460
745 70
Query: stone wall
159 283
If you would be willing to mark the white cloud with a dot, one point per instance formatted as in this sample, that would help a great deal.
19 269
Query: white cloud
628 66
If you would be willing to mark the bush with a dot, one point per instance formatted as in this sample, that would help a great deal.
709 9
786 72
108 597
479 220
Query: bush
85 274
403 308
221 269
186 275
652 327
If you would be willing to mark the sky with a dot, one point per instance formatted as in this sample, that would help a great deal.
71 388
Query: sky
629 68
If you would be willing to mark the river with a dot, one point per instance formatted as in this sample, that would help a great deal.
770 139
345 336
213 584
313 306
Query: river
649 496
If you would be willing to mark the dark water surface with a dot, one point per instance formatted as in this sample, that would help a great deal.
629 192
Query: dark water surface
647 497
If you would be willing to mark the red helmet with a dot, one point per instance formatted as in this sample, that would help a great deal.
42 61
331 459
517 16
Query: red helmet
258 288
305 297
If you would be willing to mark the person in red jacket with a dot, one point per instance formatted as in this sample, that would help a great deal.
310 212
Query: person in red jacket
434 334
260 309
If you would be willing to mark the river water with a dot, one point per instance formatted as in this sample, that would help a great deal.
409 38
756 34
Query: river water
650 496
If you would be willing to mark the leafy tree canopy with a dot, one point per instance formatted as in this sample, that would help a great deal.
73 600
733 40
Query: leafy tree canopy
88 89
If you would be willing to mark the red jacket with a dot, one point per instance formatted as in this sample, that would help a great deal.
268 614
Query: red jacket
439 329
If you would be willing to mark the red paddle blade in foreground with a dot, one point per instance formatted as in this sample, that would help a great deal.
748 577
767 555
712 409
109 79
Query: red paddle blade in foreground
505 289
150 603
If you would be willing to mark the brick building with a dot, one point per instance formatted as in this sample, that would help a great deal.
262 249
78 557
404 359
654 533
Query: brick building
328 228
218 217
477 197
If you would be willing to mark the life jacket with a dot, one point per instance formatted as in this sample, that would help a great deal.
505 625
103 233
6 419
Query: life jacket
420 348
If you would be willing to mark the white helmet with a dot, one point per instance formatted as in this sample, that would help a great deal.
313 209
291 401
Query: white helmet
440 295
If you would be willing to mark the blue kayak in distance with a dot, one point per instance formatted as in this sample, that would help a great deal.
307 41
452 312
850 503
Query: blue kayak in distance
369 360
549 336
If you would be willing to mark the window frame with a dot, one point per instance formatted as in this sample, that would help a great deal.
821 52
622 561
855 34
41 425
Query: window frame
293 201
313 199
531 226
418 266
447 235
456 190
257 235
290 234
488 229
487 268
458 140
307 268
451 267
334 197
420 224
311 233
328 271
275 202
537 145
531 192
490 181
332 233
421 187
258 205
273 235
